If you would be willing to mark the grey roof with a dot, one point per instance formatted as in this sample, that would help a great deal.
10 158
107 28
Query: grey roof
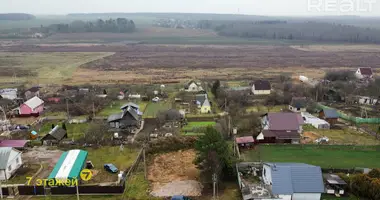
262 85
57 132
299 102
330 113
206 103
4 156
334 179
289 178
115 117
201 98
133 105
133 113
284 121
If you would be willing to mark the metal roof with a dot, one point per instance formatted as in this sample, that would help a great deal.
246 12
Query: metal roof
330 113
13 143
115 117
131 105
201 98
262 85
4 156
247 139
57 132
299 102
289 178
34 102
132 112
366 71
334 179
284 121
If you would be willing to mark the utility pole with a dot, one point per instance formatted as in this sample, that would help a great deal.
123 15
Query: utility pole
1 191
67 108
93 110
77 190
214 180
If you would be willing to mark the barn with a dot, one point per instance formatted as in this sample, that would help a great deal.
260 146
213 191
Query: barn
33 106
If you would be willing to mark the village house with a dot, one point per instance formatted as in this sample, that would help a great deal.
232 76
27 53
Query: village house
33 106
133 106
192 86
128 120
330 115
56 135
10 161
18 144
364 73
261 87
32 92
203 103
8 93
281 128
334 184
295 181
298 104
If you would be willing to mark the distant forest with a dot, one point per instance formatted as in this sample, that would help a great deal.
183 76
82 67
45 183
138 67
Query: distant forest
119 25
16 16
309 30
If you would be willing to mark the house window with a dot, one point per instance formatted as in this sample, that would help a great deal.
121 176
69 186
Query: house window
17 161
264 172
9 168
298 109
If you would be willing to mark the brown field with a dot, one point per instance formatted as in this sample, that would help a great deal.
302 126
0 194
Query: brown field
173 63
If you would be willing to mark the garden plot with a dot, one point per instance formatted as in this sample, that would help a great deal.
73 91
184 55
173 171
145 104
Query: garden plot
196 128
174 173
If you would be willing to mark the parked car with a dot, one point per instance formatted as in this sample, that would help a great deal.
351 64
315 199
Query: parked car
111 168
180 197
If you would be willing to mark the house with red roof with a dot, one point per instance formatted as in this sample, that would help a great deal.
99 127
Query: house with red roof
245 142
282 127
364 73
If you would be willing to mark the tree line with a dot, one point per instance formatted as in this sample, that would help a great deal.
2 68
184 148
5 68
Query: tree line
283 30
16 16
119 25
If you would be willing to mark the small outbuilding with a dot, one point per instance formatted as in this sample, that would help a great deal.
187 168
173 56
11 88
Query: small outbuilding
334 184
315 121
298 104
330 115
54 136
245 142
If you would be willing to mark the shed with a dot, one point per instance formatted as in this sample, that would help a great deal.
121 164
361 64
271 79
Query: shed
334 184
298 104
69 165
245 142
314 121
330 115
54 136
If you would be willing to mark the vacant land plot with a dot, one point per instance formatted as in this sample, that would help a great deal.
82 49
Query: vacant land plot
324 156
152 109
104 155
20 177
42 67
74 131
345 136
196 128
174 173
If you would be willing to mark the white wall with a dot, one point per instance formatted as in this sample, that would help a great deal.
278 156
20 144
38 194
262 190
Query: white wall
295 109
193 87
2 175
260 92
267 177
12 162
308 196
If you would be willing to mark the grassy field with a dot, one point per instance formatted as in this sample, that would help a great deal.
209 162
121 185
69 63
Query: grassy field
196 128
75 131
152 109
324 156
48 67
345 136
115 107
121 159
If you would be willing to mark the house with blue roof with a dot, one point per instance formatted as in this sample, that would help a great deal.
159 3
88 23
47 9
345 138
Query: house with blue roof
294 181
330 115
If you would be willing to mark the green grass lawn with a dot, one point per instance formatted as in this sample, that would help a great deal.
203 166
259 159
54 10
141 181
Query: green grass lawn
152 109
115 107
22 173
195 128
345 136
121 159
331 197
326 157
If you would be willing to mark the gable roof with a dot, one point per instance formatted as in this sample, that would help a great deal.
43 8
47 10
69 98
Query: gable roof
262 85
4 156
34 102
334 179
330 113
284 121
34 89
206 103
247 139
129 111
57 133
298 102
131 105
114 117
201 98
366 71
289 178
13 143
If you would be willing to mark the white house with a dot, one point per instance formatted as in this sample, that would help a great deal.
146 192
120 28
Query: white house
192 86
364 72
261 87
294 181
8 93
10 161
298 104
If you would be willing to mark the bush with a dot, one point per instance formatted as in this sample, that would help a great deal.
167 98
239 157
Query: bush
339 75
375 173
167 144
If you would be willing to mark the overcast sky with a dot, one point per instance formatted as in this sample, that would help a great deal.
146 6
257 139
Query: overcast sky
253 7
